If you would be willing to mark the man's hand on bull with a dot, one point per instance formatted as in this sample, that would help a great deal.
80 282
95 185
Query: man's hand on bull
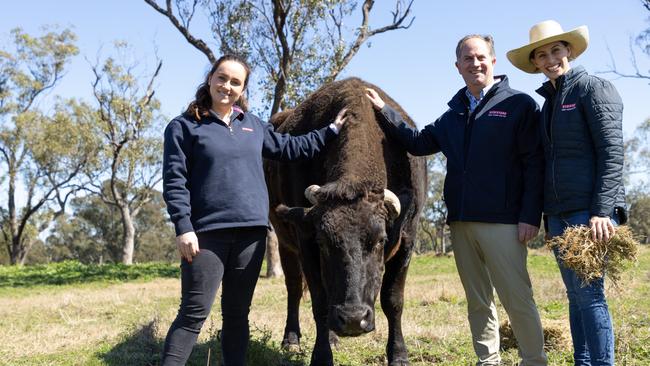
375 99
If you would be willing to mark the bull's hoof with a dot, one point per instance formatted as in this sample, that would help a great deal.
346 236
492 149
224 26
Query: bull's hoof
399 363
291 343
321 363
333 339
291 348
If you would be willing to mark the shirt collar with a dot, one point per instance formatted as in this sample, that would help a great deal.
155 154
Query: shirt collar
473 101
237 113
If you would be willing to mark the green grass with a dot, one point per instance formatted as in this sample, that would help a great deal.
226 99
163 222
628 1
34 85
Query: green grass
72 272
70 314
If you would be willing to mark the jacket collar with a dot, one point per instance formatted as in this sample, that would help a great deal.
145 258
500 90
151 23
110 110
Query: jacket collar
459 103
564 82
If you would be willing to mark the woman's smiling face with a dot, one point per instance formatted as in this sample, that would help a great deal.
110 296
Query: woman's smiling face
227 84
552 59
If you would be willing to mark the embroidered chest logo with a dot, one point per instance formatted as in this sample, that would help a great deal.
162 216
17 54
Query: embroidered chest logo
247 129
495 113
568 107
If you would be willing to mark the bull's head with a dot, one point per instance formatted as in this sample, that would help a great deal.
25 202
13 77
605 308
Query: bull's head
351 235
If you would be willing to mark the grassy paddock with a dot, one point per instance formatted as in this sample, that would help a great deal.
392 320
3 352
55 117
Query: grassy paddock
69 314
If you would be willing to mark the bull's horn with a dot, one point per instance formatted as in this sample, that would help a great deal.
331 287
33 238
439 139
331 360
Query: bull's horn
391 200
310 193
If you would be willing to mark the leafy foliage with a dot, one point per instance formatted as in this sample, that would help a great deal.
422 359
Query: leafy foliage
72 272
41 154
296 45
433 234
93 232
128 162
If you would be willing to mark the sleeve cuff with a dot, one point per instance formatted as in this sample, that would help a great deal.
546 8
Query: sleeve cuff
334 128
182 226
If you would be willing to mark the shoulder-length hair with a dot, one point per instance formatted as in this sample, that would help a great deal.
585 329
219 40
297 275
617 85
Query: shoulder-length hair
200 106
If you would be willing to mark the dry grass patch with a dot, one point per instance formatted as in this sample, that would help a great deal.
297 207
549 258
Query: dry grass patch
591 259
557 336
52 322
103 324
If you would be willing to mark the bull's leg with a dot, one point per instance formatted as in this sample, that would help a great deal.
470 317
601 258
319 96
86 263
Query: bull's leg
322 353
334 339
392 303
293 280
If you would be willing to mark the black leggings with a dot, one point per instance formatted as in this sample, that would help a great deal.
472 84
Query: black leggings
235 256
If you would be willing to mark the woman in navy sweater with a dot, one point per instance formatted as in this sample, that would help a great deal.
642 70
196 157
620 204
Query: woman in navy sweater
214 187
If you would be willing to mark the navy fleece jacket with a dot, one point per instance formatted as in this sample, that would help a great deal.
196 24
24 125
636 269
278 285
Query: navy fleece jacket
213 176
495 164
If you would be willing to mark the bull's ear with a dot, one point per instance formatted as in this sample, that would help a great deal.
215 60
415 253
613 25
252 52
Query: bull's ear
292 214
279 118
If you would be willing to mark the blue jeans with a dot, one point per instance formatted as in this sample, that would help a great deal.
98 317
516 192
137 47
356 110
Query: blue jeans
591 324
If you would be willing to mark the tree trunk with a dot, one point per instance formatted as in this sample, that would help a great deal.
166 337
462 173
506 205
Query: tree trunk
273 264
128 243
441 230
17 255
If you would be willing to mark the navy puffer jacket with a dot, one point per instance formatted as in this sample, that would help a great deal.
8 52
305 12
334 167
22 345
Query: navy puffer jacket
583 145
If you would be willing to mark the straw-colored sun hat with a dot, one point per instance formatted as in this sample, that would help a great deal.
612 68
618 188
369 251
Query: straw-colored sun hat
546 32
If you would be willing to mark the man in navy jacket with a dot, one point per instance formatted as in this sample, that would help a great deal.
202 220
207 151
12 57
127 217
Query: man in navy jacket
493 192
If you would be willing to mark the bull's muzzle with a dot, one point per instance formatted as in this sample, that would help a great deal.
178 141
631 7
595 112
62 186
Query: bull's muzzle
351 320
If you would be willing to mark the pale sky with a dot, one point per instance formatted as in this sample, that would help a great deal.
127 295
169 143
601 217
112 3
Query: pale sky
415 66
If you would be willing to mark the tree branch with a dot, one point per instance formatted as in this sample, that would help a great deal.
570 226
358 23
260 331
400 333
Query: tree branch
184 29
613 69
364 32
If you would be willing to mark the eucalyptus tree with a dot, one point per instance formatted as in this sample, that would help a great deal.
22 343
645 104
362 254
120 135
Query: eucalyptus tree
128 125
294 46
432 230
41 154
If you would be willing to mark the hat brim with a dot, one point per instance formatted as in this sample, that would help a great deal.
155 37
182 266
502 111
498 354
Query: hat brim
577 38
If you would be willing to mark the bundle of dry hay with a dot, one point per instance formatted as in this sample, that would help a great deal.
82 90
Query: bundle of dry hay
554 337
592 259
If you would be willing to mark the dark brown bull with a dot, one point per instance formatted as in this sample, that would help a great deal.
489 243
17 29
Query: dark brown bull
347 229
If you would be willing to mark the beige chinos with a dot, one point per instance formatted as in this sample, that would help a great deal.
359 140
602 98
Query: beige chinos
490 256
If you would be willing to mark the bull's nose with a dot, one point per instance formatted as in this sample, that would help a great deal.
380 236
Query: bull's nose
352 320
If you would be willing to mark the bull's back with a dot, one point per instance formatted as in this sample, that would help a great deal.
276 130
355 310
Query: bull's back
362 157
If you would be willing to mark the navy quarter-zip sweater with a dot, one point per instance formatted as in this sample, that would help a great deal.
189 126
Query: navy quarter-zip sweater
494 157
213 176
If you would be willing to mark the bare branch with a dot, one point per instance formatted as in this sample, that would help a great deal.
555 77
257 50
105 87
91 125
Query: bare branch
196 42
613 69
150 90
364 32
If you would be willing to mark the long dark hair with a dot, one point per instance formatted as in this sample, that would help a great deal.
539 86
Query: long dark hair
200 106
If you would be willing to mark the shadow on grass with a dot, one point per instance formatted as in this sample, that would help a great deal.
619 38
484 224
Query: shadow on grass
141 347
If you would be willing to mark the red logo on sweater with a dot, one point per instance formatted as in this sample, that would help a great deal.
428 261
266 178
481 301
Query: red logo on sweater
494 113
247 129
568 107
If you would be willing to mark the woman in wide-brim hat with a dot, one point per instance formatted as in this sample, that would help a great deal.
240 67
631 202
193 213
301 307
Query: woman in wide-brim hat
581 129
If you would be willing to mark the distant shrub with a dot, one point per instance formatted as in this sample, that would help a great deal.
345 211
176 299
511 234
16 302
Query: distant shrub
70 272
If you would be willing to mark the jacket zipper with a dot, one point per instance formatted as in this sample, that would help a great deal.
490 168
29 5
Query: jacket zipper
558 101
463 185
481 104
